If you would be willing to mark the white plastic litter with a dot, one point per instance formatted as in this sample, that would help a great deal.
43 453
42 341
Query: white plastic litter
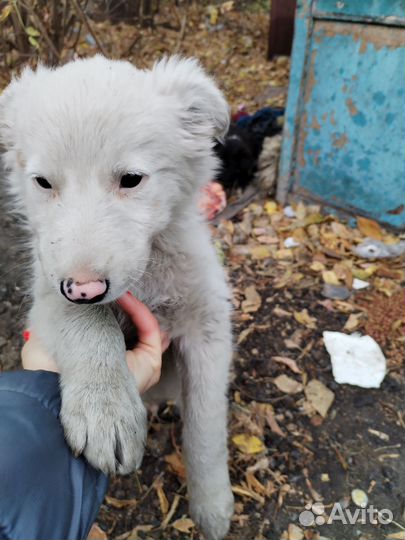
290 242
375 249
356 359
359 284
289 211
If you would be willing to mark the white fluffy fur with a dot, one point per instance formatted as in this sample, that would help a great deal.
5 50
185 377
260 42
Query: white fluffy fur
82 126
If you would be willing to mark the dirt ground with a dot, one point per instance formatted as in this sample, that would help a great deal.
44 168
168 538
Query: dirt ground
287 449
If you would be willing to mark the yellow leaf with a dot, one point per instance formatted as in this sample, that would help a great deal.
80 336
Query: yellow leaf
317 266
5 12
313 219
248 444
284 254
120 503
330 277
369 228
213 13
260 252
271 207
31 31
164 503
365 273
183 525
33 42
304 318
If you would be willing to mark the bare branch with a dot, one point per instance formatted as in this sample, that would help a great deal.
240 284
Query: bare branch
81 14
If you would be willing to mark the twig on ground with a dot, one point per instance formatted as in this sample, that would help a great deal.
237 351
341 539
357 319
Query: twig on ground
86 23
182 33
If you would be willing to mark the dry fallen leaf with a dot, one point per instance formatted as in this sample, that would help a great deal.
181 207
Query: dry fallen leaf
330 277
183 525
295 532
254 484
353 322
96 533
319 396
366 272
273 424
176 465
303 317
248 444
245 492
359 497
400 535
289 362
252 300
369 228
260 252
271 207
120 503
134 534
317 266
288 385
245 333
163 502
381 435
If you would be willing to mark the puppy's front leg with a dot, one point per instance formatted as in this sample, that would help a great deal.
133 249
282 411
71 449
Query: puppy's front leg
102 412
205 354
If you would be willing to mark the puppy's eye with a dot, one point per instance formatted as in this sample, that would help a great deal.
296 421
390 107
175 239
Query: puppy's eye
130 180
42 182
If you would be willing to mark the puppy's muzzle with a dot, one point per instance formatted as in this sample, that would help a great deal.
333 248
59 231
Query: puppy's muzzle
89 292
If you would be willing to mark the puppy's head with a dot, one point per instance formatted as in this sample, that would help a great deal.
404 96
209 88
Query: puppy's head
101 158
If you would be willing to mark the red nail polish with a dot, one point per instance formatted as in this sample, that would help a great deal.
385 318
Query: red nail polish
26 335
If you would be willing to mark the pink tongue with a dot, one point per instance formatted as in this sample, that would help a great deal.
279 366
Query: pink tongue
85 291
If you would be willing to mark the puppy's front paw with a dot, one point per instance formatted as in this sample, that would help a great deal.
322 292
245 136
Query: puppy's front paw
212 512
107 423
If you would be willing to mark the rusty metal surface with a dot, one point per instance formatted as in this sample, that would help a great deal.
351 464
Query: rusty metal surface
380 11
345 129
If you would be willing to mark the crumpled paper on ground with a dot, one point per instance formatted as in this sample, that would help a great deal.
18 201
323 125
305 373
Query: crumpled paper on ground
356 359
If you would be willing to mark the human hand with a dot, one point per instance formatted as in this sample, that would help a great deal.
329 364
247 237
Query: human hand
144 361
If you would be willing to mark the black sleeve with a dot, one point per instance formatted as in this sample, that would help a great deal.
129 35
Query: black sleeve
45 493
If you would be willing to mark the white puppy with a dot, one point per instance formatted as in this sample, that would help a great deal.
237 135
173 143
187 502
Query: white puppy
106 161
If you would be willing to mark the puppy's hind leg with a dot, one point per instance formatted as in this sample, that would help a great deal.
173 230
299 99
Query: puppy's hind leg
205 354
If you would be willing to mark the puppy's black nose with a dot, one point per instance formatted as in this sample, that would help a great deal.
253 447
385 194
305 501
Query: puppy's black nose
88 292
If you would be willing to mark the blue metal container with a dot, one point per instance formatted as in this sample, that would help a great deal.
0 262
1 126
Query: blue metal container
344 133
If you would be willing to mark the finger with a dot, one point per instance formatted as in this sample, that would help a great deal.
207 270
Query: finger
145 369
165 340
145 322
34 357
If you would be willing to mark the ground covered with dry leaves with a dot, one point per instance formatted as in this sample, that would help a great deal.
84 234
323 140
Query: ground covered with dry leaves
296 436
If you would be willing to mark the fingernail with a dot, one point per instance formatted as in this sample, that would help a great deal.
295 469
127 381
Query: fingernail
26 335
130 294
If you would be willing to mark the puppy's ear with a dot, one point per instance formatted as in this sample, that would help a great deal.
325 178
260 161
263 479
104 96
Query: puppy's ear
9 106
204 110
